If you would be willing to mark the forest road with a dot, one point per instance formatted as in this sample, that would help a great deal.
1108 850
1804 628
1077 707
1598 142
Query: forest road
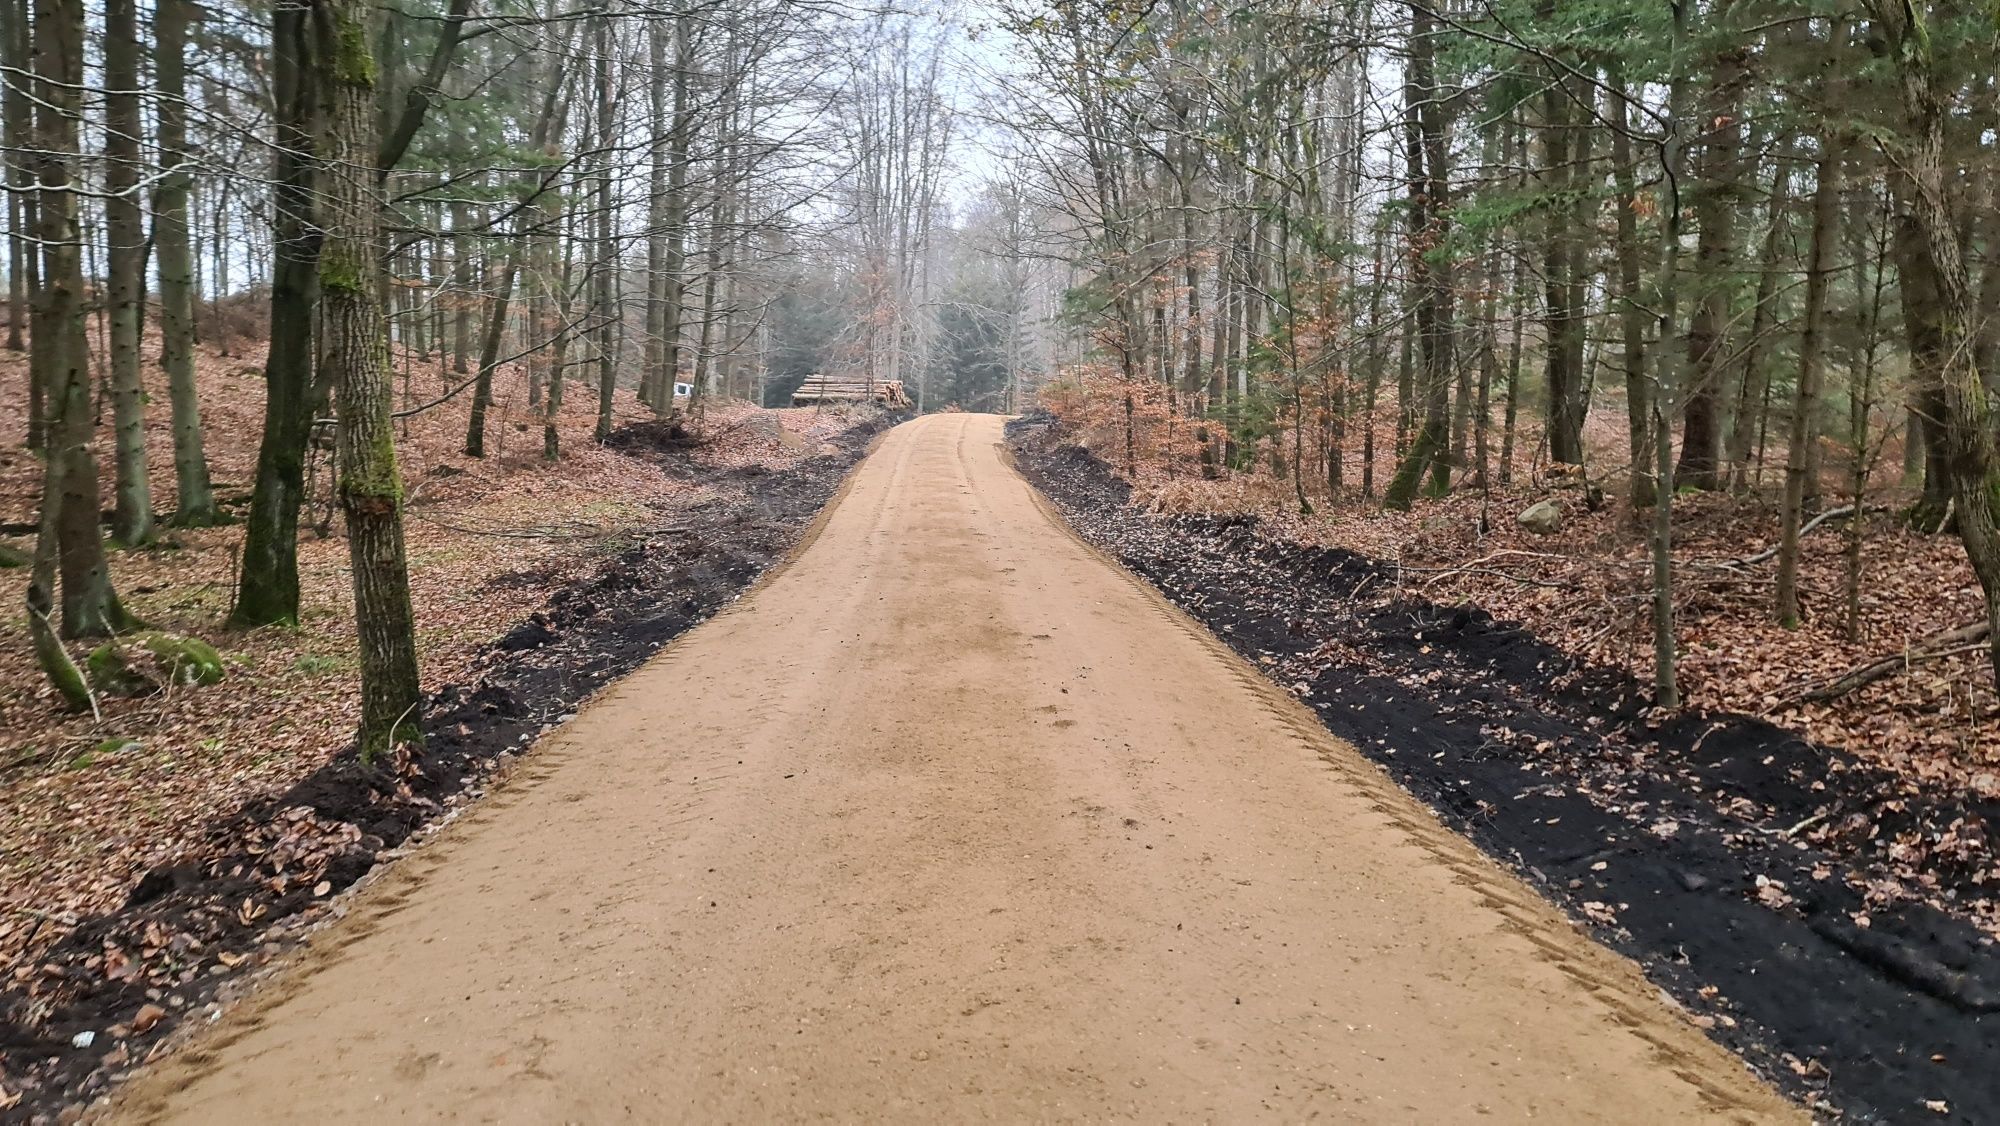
950 820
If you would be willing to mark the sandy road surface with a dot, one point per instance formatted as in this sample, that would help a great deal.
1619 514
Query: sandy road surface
950 821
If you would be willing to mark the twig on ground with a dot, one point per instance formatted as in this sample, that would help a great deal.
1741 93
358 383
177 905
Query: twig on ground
1772 551
1439 574
1949 643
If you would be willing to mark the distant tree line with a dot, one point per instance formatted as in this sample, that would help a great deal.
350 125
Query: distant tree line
1766 229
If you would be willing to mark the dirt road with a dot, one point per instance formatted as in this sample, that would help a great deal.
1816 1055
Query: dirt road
951 820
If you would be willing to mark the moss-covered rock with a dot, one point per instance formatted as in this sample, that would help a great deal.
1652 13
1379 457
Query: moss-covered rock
112 672
192 660
144 663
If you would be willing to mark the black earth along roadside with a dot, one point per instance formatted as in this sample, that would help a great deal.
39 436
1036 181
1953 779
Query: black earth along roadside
1678 845
95 1005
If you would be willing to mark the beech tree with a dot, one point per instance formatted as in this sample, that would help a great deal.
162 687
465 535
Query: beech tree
69 552
356 359
125 258
196 499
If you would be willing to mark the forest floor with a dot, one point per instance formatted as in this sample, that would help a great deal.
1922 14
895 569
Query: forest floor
949 821
1828 910
147 853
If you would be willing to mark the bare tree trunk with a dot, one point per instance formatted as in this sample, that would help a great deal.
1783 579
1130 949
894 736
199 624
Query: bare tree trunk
1376 360
559 348
1489 350
607 263
462 257
673 285
196 503
125 263
1860 404
489 355
356 357
267 592
16 122
441 274
1666 647
656 387
1632 316
60 348
1805 406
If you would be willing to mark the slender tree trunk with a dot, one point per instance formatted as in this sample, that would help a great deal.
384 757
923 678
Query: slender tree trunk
1489 333
125 262
17 290
1860 403
1632 315
1805 406
607 258
1753 398
1376 359
1666 647
268 589
489 354
655 386
463 256
1510 419
559 359
196 503
441 274
16 122
672 284
1517 300
356 355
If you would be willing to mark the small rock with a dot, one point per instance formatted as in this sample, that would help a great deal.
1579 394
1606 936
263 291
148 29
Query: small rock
1542 518
1693 881
83 1039
147 1017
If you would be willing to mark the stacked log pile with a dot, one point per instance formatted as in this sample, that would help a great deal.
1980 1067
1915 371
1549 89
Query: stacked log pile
822 388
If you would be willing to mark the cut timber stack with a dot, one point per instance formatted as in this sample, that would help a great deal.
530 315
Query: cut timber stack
822 388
